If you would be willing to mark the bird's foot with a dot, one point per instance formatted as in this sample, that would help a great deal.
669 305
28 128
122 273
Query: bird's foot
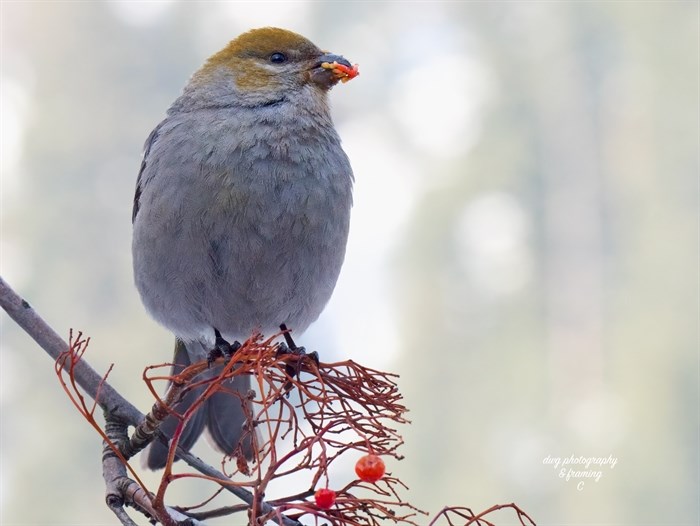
222 349
283 349
289 347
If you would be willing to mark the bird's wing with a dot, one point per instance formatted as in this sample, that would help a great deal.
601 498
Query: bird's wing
140 182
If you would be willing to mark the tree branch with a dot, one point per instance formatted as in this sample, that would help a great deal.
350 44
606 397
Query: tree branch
109 399
27 318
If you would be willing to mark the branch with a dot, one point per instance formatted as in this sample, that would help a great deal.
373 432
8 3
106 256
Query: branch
27 318
338 410
105 395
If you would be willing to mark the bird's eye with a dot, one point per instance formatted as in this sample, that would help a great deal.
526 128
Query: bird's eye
278 58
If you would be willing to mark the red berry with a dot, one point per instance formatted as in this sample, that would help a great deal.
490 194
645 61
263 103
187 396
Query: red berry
370 468
325 498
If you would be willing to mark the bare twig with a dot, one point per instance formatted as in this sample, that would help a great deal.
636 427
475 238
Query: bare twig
461 516
27 318
347 409
311 415
101 391
120 489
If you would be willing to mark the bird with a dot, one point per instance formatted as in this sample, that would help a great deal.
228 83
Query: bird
242 211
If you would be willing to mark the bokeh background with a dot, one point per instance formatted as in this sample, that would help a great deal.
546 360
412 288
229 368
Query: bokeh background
524 246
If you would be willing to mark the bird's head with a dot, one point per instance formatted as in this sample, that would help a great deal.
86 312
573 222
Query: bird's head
268 65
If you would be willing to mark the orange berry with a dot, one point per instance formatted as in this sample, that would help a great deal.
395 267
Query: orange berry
325 498
370 468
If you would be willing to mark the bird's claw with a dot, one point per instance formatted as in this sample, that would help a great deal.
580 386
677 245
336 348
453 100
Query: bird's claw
222 349
289 347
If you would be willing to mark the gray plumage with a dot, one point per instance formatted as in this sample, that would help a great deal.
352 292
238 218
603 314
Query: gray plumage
241 212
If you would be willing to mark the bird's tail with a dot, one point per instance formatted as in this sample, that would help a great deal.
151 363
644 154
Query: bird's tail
223 414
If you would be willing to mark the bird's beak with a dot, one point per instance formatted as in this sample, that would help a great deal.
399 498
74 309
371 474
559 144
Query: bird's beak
330 68
330 58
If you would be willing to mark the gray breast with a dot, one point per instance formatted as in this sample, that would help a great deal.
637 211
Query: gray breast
240 230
